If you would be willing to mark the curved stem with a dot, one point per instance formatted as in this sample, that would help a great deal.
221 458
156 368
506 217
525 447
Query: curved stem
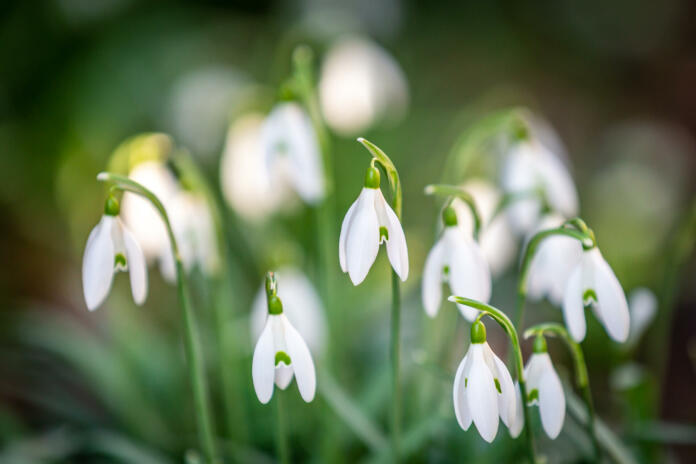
509 328
582 377
391 171
191 335
462 194
281 430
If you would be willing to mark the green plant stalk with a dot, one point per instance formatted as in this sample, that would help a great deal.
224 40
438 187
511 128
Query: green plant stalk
509 328
462 194
192 341
395 345
281 430
582 378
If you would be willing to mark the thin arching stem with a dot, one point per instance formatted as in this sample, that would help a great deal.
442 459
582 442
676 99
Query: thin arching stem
582 378
192 340
509 328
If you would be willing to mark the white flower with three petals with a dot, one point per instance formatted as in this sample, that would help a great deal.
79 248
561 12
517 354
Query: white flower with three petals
545 390
280 354
483 389
456 259
593 282
369 222
111 248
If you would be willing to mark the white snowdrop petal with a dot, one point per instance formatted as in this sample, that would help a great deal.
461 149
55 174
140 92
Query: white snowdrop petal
506 399
263 363
642 304
137 266
518 420
558 183
301 360
573 305
344 234
362 241
98 263
482 395
482 271
461 407
611 300
397 251
467 312
432 279
469 276
283 375
551 402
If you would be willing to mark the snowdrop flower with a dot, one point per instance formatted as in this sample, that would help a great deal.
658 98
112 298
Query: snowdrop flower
280 354
457 259
593 282
496 237
642 305
544 389
291 151
360 85
483 388
369 222
301 305
528 167
111 248
552 263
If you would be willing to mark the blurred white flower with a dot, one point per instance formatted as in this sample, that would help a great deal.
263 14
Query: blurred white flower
553 262
545 390
111 248
360 85
291 151
496 237
457 259
301 305
280 354
369 222
642 304
245 180
483 389
530 167
593 282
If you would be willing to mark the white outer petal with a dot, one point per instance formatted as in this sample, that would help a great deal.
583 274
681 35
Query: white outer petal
432 279
344 232
469 275
573 306
558 183
461 407
482 395
506 399
362 237
642 304
551 401
397 251
301 361
137 266
518 421
611 306
263 363
98 263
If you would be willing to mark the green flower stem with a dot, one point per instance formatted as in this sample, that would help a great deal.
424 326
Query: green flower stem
582 378
532 247
281 429
509 328
191 335
461 193
395 342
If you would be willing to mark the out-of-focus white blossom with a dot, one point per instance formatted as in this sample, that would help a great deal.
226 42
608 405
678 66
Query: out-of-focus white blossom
642 304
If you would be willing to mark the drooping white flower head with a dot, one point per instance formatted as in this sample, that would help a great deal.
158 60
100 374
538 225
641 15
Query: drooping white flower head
110 248
483 389
530 167
301 305
593 282
291 151
457 259
544 389
642 305
496 237
553 262
280 354
369 222
360 85
244 176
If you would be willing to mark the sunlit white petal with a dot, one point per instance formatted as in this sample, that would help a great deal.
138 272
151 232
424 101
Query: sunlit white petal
573 306
432 278
396 241
263 364
137 267
362 240
482 395
301 360
98 263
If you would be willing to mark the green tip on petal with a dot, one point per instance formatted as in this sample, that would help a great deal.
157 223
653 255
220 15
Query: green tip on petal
449 216
478 332
372 178
520 131
282 357
540 344
533 395
112 207
275 306
589 297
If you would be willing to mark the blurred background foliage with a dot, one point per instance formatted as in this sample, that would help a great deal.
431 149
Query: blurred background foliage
616 80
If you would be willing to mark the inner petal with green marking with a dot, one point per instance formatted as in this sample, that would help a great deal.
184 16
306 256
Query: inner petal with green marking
282 357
